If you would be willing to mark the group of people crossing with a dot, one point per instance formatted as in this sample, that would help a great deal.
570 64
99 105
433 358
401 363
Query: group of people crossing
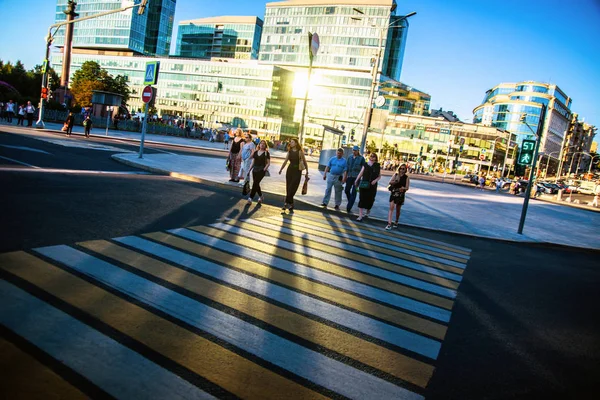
362 175
354 175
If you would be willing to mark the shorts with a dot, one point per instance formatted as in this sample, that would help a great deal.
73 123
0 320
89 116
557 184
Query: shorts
397 198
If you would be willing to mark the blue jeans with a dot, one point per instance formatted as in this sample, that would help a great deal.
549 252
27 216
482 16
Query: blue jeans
335 182
350 191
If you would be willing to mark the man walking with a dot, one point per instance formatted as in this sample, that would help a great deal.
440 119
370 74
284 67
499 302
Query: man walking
353 166
10 111
334 174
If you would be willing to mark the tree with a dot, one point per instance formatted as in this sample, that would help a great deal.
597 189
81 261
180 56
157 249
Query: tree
92 77
371 147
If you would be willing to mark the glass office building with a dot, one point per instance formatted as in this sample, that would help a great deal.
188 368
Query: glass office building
349 32
125 32
504 104
226 37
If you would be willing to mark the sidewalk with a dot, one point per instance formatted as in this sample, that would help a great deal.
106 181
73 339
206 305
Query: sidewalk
429 204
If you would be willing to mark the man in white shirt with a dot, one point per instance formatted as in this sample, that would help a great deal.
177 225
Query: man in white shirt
10 111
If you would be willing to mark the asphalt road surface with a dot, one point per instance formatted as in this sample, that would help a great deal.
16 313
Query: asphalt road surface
120 283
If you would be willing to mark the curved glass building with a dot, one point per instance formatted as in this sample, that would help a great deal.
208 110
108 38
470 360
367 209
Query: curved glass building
504 104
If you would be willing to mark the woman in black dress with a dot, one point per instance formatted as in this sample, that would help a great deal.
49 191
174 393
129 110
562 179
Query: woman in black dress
293 175
398 187
370 173
261 159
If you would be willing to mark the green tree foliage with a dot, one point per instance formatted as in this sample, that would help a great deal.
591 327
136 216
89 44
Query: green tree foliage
28 84
92 77
371 147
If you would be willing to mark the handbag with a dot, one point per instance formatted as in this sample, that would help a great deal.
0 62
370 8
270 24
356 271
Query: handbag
364 184
246 188
227 164
305 186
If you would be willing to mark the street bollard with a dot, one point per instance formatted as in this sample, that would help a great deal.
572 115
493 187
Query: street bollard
559 195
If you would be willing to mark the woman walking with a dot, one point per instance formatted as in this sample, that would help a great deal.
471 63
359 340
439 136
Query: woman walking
21 115
69 122
235 156
398 187
293 175
370 175
247 151
261 160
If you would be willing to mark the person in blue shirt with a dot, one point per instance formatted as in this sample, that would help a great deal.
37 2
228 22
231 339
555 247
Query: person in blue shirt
334 174
354 164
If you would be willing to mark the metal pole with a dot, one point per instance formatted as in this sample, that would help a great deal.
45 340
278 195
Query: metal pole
107 116
144 125
532 172
561 156
591 163
40 121
369 109
506 155
310 62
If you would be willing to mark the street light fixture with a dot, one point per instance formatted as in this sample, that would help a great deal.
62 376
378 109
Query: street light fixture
592 163
375 71
548 162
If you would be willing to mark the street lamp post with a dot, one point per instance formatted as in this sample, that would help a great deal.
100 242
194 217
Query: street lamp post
374 72
548 162
67 51
573 159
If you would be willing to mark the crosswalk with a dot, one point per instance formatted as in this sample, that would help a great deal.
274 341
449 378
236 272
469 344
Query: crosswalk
306 306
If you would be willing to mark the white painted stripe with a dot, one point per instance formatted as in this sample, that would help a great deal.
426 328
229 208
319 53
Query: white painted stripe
320 217
346 262
334 245
380 330
74 171
18 162
311 365
25 148
314 274
368 241
111 366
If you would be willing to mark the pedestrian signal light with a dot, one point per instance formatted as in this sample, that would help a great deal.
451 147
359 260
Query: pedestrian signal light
527 149
44 93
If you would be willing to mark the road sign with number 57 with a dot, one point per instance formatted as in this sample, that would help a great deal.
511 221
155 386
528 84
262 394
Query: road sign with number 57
527 149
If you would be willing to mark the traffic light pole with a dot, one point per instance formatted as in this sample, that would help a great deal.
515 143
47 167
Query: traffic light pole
539 132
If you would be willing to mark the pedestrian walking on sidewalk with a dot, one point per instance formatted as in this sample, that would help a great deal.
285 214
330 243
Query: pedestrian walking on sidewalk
247 150
69 122
354 164
261 160
30 111
295 156
366 181
87 126
398 186
235 156
334 175
21 115
596 194
10 111
226 140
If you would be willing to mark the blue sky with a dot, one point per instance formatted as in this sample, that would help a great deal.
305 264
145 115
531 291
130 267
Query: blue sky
456 50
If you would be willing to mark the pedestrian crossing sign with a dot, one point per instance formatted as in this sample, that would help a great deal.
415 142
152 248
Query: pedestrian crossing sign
151 75
527 149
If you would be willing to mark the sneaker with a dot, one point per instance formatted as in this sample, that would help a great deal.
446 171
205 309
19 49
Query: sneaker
249 200
260 199
395 225
388 227
323 205
359 219
337 208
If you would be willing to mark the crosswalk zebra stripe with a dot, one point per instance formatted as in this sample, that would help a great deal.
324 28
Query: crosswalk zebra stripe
352 238
87 351
342 221
221 366
418 264
324 371
390 334
363 263
340 266
345 344
390 298
393 238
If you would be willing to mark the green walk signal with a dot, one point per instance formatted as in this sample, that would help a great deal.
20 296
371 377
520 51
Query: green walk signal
526 155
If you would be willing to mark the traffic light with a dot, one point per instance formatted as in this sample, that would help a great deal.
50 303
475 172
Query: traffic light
526 155
142 7
45 93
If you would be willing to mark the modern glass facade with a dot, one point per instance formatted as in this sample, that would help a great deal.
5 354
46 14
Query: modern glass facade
348 30
504 104
239 93
148 34
226 37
